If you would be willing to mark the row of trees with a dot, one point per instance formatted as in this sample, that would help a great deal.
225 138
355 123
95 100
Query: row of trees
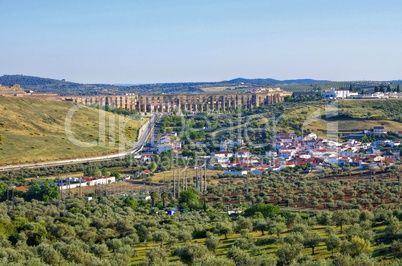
110 231
23 173
43 192
294 189
388 88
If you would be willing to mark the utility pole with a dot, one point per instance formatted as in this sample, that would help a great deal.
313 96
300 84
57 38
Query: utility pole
60 195
164 181
8 199
201 179
248 169
178 182
205 175
69 187
185 176
106 187
197 180
12 196
65 206
80 188
174 184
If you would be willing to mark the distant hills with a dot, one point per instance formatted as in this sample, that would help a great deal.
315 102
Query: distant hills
63 87
270 81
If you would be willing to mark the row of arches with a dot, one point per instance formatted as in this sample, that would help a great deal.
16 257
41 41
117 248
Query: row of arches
172 102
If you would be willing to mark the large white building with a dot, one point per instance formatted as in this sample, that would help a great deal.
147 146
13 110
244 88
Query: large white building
87 181
339 94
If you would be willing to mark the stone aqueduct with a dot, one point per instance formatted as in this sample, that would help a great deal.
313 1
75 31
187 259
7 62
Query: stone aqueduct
180 102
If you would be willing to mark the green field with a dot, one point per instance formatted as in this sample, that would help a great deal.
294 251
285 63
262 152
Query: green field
347 115
35 130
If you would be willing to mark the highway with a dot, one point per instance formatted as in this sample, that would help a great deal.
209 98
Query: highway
144 133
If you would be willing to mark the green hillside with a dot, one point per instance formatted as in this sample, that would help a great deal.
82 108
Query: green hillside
349 115
34 130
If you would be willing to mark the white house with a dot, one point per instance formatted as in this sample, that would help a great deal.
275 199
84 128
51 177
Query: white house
271 154
310 136
386 142
89 181
379 130
305 156
163 147
172 134
103 181
222 156
339 94
229 144
164 140
243 153
339 160
236 173
321 153
177 144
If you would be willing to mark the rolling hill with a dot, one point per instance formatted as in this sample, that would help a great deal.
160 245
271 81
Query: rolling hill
348 116
63 87
34 130
270 82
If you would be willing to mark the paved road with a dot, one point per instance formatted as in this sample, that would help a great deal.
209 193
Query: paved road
143 134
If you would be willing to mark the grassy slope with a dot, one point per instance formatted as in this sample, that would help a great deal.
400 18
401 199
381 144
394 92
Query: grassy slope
362 114
34 130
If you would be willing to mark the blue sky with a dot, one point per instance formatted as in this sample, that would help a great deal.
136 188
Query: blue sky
171 41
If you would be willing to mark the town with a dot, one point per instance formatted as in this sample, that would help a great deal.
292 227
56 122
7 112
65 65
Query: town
290 151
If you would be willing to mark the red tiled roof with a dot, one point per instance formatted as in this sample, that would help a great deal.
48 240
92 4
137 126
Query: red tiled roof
22 188
300 161
388 160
